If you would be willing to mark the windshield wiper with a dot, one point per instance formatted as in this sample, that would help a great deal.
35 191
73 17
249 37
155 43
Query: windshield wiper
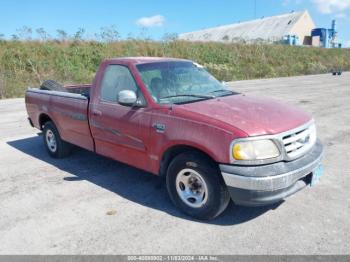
191 95
228 92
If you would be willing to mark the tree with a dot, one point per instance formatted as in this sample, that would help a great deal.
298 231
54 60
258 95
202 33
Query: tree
79 34
42 34
109 34
15 37
24 33
143 35
168 37
62 35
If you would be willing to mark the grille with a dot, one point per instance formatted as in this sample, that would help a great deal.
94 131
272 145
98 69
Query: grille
298 142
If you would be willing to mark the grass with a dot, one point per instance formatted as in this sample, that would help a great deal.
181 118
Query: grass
24 64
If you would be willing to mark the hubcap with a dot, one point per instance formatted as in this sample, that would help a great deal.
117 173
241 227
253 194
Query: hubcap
51 141
191 188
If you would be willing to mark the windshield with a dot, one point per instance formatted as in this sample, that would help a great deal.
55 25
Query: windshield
179 82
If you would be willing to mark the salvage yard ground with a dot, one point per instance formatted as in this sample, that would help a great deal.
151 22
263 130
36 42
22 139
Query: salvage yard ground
87 204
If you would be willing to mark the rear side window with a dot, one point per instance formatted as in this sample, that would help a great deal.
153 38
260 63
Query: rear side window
116 78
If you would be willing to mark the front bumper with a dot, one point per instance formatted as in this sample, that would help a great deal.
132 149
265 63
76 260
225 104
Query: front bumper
267 184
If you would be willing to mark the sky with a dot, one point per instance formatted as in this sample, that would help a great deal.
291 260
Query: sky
155 18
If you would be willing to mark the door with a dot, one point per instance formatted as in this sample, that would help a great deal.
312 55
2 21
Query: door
120 132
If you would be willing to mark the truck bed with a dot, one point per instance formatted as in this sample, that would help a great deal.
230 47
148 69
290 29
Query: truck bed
67 109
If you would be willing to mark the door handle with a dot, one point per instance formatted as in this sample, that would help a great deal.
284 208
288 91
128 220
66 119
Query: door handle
96 112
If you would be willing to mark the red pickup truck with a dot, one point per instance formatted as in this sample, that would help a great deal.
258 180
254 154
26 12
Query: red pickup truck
171 118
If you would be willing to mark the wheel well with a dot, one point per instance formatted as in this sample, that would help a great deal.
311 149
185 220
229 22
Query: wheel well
174 151
43 119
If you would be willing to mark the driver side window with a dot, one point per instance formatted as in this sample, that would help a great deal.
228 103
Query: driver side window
116 78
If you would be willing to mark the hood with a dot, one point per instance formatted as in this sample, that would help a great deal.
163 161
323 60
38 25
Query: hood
254 116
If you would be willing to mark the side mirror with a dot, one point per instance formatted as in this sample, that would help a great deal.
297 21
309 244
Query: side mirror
127 98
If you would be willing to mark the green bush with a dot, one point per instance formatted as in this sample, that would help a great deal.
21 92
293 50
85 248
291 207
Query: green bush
28 63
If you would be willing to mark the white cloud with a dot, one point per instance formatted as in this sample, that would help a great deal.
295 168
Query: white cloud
150 21
331 6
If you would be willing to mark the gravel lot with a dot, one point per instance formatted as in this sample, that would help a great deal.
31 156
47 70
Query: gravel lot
87 204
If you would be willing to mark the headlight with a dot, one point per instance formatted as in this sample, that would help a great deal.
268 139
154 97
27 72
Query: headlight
254 150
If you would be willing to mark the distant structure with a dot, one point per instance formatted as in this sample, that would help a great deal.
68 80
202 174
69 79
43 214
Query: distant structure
327 38
293 29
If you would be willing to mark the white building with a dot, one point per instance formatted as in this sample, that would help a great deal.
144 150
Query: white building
268 29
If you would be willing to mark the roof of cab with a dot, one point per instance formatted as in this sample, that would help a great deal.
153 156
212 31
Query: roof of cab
144 59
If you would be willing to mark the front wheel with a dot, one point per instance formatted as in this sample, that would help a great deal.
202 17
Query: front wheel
196 187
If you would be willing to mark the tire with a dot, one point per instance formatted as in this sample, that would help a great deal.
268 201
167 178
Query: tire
55 146
194 173
52 85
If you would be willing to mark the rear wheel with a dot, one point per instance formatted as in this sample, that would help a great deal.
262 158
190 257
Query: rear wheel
55 146
196 186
